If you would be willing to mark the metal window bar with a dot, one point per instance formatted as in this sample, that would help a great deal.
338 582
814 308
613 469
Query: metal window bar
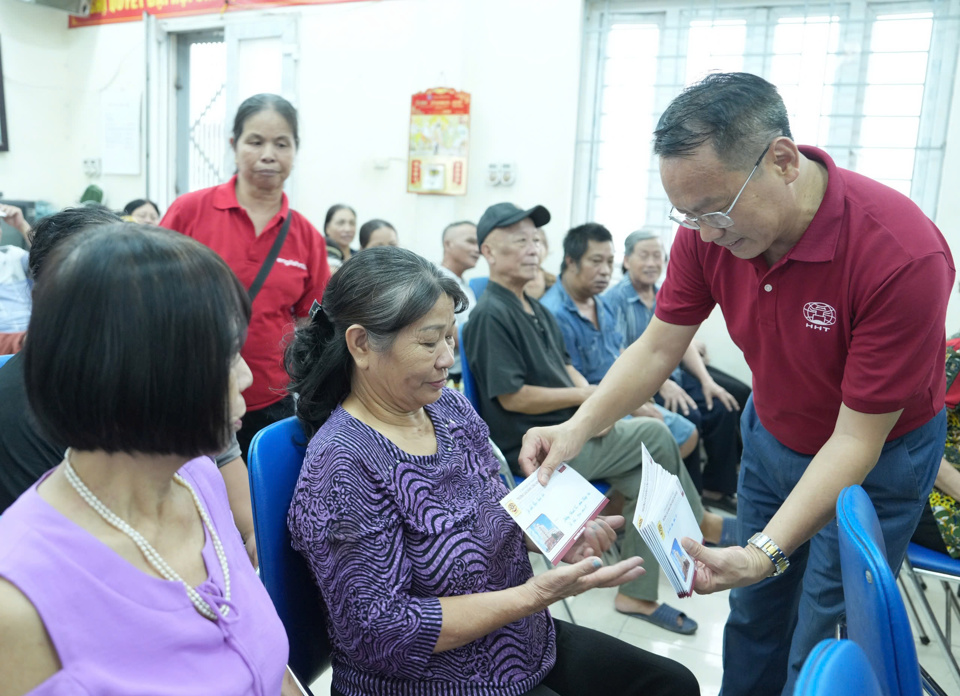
601 158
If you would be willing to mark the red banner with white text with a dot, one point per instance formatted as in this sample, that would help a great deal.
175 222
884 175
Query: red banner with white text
113 11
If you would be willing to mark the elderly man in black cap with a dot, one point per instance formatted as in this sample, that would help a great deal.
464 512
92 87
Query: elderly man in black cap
515 349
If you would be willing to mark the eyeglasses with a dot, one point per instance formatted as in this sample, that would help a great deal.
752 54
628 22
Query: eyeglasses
716 220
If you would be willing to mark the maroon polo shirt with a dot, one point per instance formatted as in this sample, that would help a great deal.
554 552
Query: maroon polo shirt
854 313
215 218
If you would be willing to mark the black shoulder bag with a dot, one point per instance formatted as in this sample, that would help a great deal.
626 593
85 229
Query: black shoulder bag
271 258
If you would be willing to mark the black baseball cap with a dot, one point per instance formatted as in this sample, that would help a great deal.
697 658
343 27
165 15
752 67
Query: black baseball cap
506 214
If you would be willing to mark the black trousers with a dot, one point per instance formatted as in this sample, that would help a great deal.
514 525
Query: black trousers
255 421
928 533
591 662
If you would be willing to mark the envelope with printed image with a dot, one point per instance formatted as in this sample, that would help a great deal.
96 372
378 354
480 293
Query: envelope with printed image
663 518
554 516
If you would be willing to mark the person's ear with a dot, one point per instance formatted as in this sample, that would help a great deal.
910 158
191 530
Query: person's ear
786 158
358 343
487 252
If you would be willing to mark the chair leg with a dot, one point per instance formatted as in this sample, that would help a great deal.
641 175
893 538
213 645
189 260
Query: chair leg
938 633
908 569
948 606
930 685
566 604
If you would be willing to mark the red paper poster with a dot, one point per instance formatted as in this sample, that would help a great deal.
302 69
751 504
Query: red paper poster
439 141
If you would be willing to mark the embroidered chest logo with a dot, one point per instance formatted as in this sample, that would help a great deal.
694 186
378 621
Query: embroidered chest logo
819 315
295 264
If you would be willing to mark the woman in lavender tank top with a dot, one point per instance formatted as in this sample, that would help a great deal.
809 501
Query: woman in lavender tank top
121 570
425 578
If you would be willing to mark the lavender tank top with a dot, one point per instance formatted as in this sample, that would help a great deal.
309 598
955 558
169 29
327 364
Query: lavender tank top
119 631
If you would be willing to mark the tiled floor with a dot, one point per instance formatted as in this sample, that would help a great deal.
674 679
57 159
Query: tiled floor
701 652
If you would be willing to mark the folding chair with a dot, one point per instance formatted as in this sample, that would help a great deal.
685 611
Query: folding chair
478 285
837 668
275 458
926 562
876 616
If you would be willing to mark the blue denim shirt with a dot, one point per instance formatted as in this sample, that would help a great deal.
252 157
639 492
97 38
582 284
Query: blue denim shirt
632 315
592 351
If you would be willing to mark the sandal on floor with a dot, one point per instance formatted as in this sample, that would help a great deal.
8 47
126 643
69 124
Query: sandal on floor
666 617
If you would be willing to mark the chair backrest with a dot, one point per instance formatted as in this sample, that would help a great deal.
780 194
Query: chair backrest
275 458
466 376
478 285
876 617
4 358
837 668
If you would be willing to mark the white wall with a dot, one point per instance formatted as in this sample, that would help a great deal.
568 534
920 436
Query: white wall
361 62
53 79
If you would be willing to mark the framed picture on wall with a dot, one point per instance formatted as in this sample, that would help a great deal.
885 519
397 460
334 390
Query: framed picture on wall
4 142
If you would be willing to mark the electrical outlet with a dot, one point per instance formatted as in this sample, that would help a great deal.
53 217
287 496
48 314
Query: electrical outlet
508 173
494 174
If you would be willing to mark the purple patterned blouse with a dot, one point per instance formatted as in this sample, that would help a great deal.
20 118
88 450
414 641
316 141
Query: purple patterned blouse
386 533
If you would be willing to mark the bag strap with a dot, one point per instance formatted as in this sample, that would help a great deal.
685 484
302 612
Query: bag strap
271 258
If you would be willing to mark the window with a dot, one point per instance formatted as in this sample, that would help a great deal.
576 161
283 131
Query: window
201 110
870 82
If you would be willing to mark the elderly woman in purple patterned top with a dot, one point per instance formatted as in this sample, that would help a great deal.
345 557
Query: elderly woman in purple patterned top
425 578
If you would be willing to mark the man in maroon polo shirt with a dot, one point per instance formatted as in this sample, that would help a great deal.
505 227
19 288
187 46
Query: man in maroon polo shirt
835 287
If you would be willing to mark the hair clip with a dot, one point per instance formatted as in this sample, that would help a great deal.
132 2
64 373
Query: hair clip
315 309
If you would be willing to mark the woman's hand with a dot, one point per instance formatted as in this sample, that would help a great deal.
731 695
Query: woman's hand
733 566
570 580
598 536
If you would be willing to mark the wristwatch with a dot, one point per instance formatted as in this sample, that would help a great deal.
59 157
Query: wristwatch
772 551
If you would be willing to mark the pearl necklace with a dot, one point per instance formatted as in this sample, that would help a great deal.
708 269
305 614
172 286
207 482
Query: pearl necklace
155 560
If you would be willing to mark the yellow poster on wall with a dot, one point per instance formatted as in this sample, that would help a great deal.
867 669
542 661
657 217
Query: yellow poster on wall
439 141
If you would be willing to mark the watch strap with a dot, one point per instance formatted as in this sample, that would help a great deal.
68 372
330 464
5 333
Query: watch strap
771 551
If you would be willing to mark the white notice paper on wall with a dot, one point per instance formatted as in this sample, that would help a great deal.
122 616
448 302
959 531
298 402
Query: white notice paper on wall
120 132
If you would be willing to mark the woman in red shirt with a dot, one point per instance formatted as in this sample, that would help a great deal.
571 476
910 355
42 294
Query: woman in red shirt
242 220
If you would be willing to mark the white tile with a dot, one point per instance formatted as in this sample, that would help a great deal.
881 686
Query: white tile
322 685
706 666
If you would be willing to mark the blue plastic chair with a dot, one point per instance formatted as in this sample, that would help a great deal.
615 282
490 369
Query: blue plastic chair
478 285
275 458
467 379
837 668
470 391
4 358
939 566
876 616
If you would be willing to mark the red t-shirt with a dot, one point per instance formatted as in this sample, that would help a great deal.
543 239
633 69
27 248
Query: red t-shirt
854 313
214 217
